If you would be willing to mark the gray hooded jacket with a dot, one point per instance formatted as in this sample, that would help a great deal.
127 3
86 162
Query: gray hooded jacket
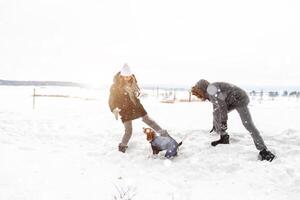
225 97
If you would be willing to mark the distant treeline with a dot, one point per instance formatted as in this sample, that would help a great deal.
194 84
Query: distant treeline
40 83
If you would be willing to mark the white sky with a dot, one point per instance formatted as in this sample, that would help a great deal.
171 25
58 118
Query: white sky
164 41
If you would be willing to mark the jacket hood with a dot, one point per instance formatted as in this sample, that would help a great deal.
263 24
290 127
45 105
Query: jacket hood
117 78
202 84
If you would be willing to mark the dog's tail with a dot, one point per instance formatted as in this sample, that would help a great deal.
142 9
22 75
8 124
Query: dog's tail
179 144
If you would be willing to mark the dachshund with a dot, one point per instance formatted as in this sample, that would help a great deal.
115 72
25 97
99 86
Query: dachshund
160 143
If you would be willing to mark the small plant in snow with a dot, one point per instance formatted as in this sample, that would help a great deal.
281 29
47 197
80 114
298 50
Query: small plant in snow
124 192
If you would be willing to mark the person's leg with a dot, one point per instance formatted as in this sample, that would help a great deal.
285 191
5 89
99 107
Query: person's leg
150 122
126 137
249 125
220 128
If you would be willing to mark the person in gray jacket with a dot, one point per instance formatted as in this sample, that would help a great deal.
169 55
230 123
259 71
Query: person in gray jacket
226 97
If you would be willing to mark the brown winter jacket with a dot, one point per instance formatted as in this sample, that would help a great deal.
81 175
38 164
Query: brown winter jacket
119 98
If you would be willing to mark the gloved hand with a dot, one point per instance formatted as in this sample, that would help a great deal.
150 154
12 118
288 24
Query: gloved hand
223 126
116 113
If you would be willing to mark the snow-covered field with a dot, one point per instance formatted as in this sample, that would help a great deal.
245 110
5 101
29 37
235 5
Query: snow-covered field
66 149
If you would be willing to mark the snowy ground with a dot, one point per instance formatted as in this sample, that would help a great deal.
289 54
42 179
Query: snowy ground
66 149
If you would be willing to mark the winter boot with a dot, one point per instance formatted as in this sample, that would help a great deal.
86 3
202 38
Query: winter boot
224 139
266 155
122 148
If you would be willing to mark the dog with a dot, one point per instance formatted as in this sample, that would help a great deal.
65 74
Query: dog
160 143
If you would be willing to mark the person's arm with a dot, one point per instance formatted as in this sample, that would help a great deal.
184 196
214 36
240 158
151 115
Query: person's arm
113 98
220 115
113 102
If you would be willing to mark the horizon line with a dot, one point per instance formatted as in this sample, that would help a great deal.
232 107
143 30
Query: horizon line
145 86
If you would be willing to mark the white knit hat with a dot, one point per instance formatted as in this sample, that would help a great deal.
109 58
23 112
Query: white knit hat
125 71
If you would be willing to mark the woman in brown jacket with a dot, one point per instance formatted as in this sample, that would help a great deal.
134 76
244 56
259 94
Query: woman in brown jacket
123 101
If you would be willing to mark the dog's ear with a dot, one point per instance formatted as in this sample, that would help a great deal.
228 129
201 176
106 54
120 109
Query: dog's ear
144 129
